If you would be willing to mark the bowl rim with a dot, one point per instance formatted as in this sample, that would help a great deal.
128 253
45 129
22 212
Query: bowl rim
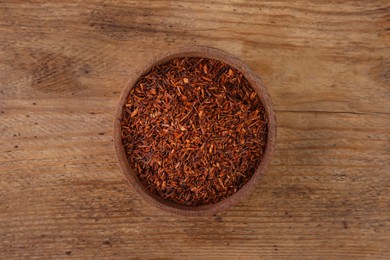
256 84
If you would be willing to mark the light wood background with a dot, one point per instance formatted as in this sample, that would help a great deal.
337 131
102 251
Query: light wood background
327 68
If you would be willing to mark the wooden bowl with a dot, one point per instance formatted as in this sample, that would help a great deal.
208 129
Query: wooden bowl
257 85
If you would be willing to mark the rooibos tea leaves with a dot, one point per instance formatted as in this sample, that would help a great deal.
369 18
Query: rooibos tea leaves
194 130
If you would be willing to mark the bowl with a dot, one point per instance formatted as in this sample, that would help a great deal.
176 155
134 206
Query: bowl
256 84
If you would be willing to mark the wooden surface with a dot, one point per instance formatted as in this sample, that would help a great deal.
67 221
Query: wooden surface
326 65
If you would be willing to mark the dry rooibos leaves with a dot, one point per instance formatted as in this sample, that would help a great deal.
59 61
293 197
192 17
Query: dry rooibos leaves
194 130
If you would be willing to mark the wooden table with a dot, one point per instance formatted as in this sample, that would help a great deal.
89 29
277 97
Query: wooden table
63 66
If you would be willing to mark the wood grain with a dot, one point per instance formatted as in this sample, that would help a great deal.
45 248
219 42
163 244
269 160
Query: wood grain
327 68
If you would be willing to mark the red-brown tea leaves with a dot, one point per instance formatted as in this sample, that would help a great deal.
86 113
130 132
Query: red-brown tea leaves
194 130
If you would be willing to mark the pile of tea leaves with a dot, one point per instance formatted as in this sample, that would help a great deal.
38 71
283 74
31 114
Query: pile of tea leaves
194 130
